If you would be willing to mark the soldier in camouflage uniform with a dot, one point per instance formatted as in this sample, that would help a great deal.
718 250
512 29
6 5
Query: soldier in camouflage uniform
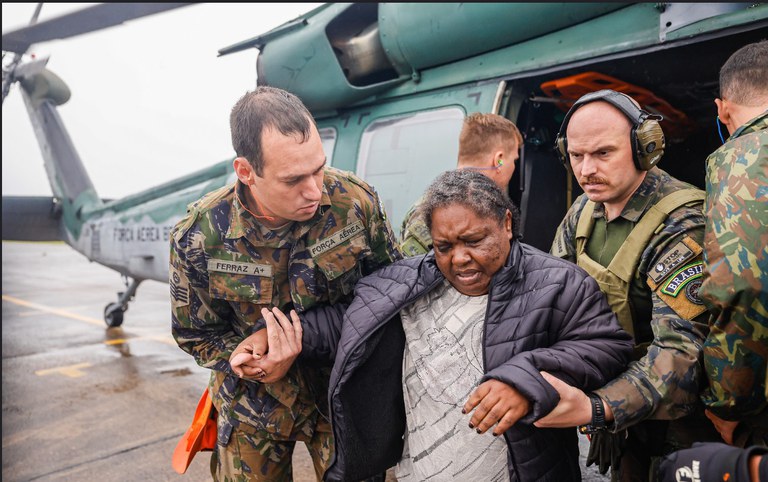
289 233
639 232
488 143
735 286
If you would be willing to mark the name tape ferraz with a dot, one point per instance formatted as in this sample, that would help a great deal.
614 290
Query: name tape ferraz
238 267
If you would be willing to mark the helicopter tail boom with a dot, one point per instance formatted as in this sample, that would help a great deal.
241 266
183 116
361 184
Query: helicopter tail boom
67 175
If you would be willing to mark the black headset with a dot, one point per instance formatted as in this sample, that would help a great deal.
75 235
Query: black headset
646 136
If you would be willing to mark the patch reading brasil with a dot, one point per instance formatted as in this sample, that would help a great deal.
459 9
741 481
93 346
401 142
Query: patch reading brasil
238 267
682 277
336 239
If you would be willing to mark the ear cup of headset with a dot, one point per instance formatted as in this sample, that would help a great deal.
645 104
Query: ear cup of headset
649 142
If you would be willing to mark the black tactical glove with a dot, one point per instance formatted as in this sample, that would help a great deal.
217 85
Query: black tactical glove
605 449
708 462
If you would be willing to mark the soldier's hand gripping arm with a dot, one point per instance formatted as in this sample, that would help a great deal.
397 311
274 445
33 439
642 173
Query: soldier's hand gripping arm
267 355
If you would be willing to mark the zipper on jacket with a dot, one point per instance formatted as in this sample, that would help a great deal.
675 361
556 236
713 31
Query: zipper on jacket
485 371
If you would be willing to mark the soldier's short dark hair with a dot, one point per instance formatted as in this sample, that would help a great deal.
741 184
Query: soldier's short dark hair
473 191
266 107
744 76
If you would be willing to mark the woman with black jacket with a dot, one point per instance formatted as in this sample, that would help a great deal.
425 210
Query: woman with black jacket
436 350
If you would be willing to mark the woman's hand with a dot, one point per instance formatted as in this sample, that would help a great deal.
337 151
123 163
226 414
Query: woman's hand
495 403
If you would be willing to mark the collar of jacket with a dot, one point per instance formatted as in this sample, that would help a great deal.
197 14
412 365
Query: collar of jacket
759 123
242 224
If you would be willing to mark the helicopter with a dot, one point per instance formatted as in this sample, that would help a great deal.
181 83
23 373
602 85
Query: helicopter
389 85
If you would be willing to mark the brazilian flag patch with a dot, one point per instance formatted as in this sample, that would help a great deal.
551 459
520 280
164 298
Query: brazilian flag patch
682 277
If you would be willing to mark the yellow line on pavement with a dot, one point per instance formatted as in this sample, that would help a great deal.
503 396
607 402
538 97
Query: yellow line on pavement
53 311
71 371
167 339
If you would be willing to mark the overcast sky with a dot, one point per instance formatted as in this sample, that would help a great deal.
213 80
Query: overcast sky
150 99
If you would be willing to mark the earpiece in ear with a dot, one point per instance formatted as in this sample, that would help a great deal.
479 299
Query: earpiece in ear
719 129
500 162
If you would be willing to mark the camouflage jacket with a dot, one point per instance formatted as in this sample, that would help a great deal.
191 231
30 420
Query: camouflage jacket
415 238
664 383
225 266
735 287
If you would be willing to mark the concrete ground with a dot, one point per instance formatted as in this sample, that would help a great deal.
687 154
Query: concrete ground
83 402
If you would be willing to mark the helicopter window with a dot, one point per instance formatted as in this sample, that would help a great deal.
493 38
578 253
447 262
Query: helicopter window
401 155
328 138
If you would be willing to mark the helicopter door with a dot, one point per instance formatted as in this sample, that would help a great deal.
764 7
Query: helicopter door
400 146
540 186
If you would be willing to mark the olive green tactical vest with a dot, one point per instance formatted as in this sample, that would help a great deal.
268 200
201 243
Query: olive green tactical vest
615 279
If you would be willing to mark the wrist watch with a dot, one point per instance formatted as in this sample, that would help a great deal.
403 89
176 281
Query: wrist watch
598 416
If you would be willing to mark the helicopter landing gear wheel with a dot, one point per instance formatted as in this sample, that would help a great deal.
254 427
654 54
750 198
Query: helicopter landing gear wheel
113 314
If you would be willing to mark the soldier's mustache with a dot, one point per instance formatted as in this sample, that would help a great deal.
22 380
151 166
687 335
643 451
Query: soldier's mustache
593 180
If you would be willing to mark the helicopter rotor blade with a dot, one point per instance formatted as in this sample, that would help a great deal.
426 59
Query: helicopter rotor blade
9 70
79 22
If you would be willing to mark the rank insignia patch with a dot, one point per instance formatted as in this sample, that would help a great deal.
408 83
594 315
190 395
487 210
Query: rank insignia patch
179 290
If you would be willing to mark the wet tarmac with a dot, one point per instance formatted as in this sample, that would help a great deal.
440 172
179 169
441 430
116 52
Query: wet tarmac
83 402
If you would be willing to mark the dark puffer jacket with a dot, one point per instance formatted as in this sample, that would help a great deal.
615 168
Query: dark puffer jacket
543 314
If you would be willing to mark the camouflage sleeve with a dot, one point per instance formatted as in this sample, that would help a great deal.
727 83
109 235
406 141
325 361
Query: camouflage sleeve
415 238
665 383
199 324
735 286
564 244
384 247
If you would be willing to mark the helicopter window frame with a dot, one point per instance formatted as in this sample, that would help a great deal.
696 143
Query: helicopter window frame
328 137
397 203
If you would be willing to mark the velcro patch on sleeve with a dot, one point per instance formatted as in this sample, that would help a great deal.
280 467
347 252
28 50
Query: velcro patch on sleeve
682 277
673 258
238 267
681 290
179 285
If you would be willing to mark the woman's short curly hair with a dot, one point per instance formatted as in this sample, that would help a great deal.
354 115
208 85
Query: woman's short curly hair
471 190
